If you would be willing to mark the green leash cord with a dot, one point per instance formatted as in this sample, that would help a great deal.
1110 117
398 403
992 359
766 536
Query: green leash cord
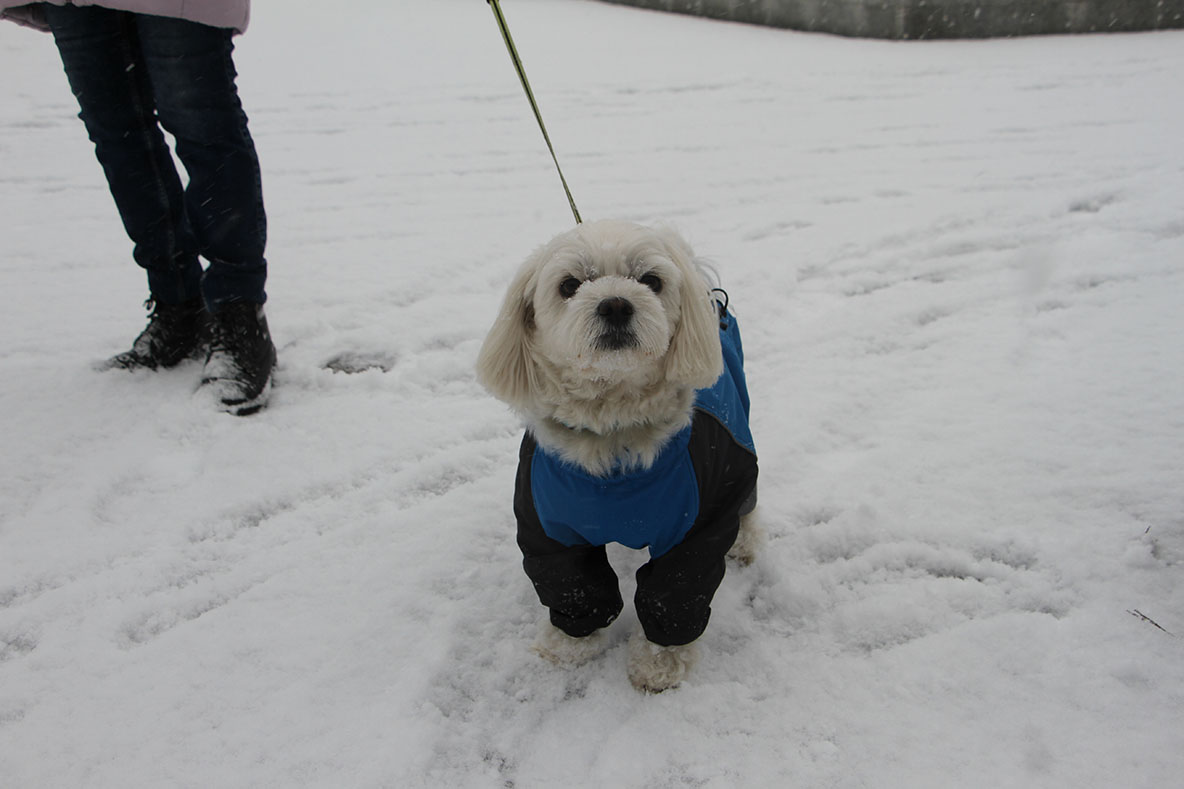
501 23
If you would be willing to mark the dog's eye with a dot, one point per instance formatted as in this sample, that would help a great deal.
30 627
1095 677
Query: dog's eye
652 282
568 287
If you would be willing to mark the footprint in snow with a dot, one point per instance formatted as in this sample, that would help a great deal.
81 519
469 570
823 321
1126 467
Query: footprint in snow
353 362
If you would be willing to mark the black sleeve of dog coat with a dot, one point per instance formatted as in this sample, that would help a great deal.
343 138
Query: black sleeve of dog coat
575 582
674 591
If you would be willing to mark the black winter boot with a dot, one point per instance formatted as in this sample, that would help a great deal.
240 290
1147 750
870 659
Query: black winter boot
174 333
241 357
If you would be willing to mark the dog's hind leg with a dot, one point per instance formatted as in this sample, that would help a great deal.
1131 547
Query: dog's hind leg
749 540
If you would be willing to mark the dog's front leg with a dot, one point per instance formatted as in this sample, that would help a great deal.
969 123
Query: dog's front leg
653 668
557 647
579 588
673 601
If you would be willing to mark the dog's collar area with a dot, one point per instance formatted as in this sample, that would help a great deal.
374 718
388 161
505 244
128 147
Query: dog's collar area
666 419
587 431
571 428
721 304
624 458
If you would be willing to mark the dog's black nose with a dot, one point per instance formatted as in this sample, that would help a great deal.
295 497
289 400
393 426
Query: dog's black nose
615 312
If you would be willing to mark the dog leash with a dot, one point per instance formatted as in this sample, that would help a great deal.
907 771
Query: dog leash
501 23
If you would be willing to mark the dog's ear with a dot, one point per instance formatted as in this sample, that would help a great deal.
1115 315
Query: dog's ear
694 358
505 365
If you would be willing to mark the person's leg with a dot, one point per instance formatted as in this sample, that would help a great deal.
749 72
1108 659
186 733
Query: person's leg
100 53
192 77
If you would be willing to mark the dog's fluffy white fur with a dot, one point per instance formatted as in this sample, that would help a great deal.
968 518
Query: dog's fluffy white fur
554 645
605 389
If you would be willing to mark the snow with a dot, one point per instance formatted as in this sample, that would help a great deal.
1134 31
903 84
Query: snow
958 271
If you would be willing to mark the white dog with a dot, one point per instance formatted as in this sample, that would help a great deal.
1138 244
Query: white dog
629 375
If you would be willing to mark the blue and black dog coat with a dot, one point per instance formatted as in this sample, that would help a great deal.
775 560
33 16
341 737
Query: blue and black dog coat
685 508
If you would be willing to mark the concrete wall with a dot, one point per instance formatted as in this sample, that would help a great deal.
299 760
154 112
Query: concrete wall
918 19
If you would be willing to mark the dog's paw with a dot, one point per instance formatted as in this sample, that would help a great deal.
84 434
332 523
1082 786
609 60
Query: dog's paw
557 647
749 541
653 668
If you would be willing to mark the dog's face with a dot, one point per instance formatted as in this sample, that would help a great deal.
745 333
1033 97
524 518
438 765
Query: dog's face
608 304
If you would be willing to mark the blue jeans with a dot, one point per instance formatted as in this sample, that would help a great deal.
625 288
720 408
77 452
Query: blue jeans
133 74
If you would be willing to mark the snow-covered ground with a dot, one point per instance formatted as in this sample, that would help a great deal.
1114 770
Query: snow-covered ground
959 268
